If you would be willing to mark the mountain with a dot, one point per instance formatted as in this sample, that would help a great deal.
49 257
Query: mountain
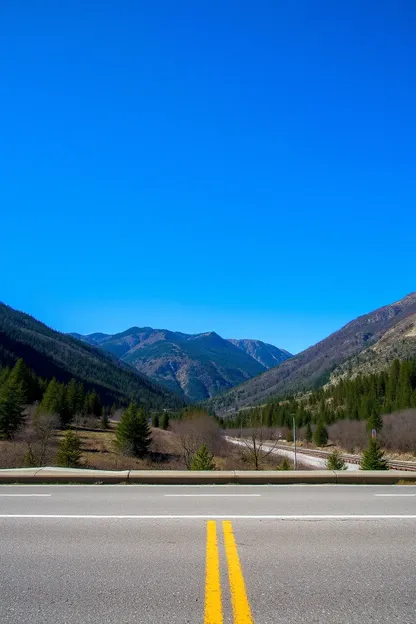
197 366
399 343
266 354
313 367
52 354
92 339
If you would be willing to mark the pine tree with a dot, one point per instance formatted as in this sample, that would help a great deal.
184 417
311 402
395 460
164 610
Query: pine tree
155 421
203 460
20 374
165 421
308 432
12 406
375 421
320 436
50 400
74 397
335 461
373 457
93 404
133 432
69 450
55 402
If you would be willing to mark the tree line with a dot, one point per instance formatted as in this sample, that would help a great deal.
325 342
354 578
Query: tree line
19 386
366 397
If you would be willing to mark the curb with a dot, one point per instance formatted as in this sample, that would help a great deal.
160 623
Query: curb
33 476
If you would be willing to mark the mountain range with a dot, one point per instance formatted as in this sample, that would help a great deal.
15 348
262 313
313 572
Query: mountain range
366 344
166 369
195 366
53 354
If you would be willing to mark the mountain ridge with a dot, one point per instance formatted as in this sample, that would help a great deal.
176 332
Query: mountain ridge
50 353
314 366
197 366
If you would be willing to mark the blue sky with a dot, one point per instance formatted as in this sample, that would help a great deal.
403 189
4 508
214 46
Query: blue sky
243 167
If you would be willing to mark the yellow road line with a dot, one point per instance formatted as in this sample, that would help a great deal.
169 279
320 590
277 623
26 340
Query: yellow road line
239 600
213 605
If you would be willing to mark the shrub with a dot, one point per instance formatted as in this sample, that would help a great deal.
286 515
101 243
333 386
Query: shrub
349 434
202 460
335 461
105 421
285 465
155 421
308 433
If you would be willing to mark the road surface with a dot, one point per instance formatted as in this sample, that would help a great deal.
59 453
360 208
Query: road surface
208 554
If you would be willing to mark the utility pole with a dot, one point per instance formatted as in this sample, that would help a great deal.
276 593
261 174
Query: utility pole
294 440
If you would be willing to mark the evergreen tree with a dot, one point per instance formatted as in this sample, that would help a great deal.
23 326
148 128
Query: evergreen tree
4 373
69 450
320 436
203 460
375 421
165 421
105 421
50 400
74 397
133 432
21 374
12 406
373 457
55 402
155 421
308 432
93 404
335 461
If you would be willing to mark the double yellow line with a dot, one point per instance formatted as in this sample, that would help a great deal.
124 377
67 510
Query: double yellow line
213 601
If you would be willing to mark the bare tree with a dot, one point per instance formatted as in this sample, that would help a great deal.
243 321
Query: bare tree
258 444
193 431
37 436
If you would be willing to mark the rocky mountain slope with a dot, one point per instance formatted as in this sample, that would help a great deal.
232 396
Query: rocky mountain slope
197 366
399 342
265 353
313 367
52 354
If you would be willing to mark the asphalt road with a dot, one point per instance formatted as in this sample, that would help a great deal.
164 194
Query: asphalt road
208 554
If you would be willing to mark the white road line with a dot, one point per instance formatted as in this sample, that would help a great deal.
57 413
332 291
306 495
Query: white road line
395 495
209 517
24 495
210 495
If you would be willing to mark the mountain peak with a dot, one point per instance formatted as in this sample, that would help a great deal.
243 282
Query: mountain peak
197 366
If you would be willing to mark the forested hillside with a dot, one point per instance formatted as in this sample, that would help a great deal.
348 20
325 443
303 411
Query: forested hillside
366 398
313 367
52 354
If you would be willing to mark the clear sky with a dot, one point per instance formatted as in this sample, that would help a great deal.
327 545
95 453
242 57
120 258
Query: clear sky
243 167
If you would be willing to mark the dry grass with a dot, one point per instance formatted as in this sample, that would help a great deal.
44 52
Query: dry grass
99 452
